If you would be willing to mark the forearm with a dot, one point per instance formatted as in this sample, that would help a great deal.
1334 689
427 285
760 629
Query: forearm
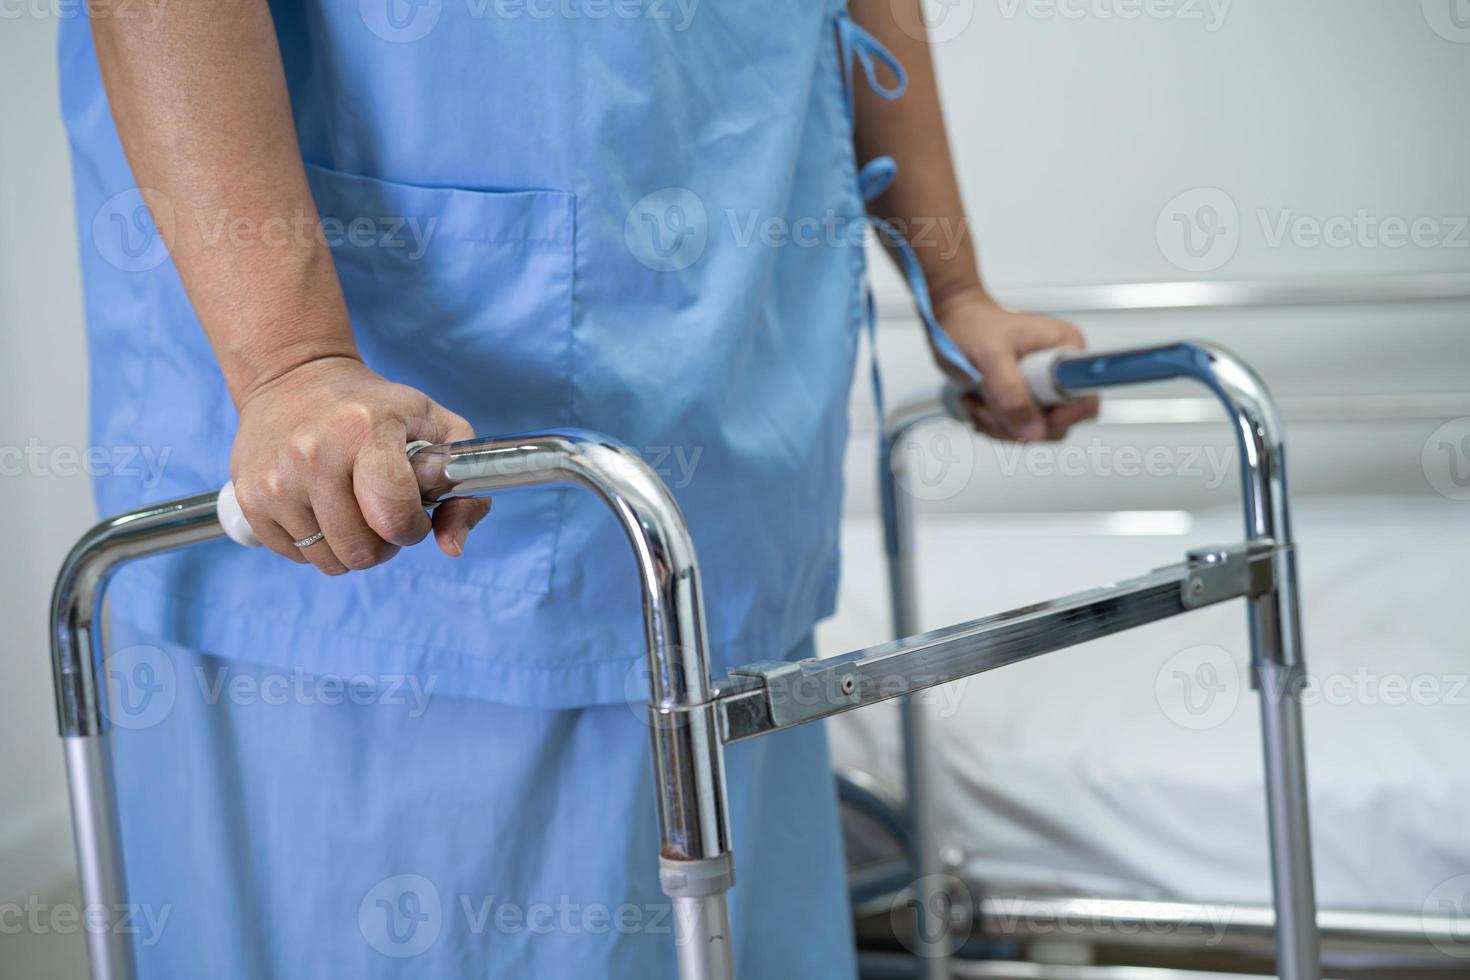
201 106
924 201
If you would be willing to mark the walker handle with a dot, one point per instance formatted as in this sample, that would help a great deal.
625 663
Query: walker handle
1039 370
232 518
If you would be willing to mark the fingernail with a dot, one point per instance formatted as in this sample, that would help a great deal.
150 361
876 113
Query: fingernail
457 540
1033 431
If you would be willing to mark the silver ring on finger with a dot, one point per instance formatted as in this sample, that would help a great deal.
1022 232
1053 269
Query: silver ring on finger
309 540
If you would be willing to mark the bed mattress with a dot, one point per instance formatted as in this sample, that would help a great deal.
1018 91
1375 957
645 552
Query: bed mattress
1131 767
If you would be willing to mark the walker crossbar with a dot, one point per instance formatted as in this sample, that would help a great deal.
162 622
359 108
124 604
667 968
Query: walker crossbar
691 719
767 697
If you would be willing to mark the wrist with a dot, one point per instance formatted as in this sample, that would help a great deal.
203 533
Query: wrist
968 295
249 377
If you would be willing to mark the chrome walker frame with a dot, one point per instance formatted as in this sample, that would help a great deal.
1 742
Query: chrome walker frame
1277 665
693 717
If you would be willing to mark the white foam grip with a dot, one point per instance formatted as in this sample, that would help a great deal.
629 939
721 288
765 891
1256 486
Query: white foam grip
1039 371
232 518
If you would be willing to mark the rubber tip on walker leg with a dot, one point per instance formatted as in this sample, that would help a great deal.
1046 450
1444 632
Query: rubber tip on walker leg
696 879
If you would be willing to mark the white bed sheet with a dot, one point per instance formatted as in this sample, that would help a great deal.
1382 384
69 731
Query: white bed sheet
1084 772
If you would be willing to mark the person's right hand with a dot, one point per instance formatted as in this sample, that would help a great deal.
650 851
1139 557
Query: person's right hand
323 448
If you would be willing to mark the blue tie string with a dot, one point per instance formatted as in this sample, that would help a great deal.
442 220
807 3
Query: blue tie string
873 179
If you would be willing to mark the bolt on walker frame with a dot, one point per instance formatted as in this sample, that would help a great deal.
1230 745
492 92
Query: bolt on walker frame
693 717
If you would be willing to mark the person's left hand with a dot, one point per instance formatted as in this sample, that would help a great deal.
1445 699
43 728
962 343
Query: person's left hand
995 339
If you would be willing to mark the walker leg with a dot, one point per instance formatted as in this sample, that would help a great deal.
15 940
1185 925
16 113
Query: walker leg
696 862
99 856
1278 676
700 894
1297 953
930 904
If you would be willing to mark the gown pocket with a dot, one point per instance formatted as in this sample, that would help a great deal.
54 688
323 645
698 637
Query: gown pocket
467 296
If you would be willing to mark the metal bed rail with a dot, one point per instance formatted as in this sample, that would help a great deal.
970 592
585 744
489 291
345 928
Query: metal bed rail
1214 294
692 717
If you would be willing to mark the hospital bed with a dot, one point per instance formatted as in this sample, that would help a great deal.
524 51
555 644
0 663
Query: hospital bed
692 716
1065 808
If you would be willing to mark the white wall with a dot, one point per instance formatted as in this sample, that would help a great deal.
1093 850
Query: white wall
43 400
1082 139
